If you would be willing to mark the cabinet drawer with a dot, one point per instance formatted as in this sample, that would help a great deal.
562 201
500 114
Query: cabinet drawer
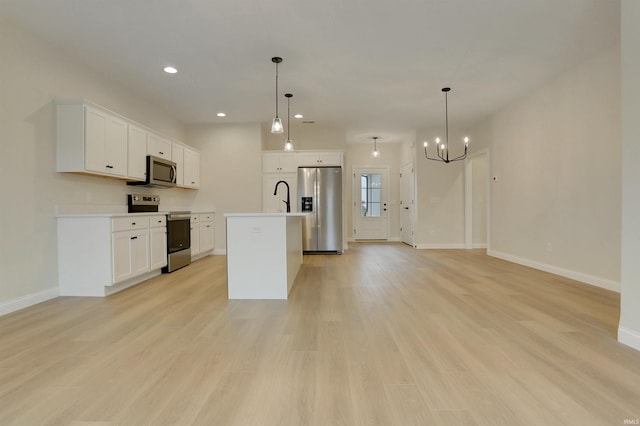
158 221
129 223
206 217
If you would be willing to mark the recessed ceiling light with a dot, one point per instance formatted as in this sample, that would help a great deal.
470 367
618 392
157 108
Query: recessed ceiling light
170 70
297 116
221 114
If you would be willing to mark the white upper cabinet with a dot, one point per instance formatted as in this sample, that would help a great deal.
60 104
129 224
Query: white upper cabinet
177 156
137 153
320 158
105 143
91 140
188 166
159 146
276 162
191 168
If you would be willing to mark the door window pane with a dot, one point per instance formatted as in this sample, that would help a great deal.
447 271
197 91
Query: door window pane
370 193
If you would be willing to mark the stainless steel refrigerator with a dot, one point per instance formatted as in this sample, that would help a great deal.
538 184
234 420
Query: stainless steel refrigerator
320 192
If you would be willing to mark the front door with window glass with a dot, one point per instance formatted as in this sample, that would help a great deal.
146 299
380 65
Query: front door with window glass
370 189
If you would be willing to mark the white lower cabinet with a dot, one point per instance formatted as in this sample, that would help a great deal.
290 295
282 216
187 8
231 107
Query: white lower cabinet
130 254
99 255
206 233
158 242
202 233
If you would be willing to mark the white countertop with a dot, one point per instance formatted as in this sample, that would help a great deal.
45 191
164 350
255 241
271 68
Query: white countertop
267 214
111 214
124 214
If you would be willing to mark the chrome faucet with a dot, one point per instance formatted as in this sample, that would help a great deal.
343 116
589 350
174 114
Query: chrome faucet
288 202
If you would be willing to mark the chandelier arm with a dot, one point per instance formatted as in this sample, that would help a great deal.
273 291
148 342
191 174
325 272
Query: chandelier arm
461 157
426 154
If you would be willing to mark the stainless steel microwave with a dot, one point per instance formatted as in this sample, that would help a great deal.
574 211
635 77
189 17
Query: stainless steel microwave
161 173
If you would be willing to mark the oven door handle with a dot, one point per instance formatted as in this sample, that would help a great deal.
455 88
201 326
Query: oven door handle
174 217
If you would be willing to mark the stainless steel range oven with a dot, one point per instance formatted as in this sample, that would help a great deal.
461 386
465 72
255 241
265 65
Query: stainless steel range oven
178 240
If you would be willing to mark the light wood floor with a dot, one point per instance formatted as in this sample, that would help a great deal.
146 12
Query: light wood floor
381 335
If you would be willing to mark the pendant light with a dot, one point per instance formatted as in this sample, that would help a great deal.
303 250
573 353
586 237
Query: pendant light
288 145
375 153
276 126
442 149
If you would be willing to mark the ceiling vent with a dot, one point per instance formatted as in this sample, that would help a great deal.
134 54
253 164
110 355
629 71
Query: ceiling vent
308 122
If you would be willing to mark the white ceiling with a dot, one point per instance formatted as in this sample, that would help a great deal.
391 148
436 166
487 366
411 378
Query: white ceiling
374 67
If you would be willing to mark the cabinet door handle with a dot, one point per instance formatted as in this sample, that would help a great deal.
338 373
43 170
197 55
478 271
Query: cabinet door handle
134 238
109 166
160 152
133 224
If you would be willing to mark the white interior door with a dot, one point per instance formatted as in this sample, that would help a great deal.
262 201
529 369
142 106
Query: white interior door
370 207
407 204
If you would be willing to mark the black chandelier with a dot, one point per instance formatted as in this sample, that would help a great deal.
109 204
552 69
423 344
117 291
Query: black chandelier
442 149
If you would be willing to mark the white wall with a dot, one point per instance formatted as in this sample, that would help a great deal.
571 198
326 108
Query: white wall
33 74
440 196
629 330
556 155
305 137
231 171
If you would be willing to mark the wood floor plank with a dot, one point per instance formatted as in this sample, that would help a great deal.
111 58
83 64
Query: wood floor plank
382 334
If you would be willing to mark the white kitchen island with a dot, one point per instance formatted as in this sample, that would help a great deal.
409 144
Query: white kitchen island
264 254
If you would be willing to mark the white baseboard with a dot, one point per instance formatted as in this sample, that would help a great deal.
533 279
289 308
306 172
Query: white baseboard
220 252
113 289
574 275
629 337
28 300
479 246
440 246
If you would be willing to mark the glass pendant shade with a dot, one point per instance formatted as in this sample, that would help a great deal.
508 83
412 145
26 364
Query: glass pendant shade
375 153
288 145
276 126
